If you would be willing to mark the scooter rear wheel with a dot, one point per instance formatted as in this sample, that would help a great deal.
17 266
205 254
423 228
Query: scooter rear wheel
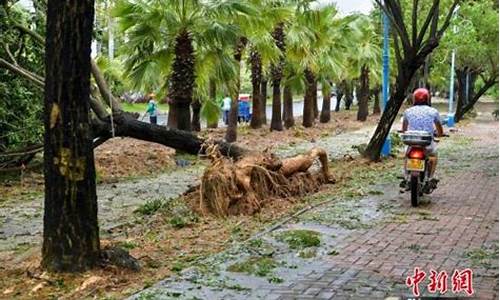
414 190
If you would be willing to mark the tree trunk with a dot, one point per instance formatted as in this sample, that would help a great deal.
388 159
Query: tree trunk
277 74
340 95
256 68
348 95
195 122
315 105
181 140
364 93
464 92
326 107
182 82
376 100
232 127
172 116
212 93
276 122
71 233
288 107
308 113
263 100
406 71
465 109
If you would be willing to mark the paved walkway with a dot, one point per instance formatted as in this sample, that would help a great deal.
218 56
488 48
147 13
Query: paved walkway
456 230
464 225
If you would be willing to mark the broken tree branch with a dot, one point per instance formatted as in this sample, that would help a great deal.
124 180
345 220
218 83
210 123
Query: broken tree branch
23 72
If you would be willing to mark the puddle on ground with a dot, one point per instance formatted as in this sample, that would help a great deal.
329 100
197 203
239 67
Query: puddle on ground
270 262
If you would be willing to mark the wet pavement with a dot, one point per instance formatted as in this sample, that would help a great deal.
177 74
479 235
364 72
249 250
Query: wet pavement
370 244
21 221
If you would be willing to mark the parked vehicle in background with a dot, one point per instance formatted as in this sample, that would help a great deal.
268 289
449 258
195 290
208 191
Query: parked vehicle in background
135 97
244 109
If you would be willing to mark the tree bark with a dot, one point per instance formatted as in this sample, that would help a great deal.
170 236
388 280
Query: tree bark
315 106
326 107
405 74
212 93
340 95
127 126
376 100
465 109
195 122
277 74
364 93
256 68
263 100
463 95
348 95
288 107
104 89
232 127
71 233
182 82
308 113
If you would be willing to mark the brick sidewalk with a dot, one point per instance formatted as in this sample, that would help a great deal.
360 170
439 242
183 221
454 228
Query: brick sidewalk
376 262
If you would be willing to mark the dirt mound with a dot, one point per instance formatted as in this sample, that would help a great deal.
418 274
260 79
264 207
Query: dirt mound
125 157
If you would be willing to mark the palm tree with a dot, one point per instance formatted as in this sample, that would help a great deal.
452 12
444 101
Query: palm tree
163 38
264 52
276 75
253 28
311 40
365 58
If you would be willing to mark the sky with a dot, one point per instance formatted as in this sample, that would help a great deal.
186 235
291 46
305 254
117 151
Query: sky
349 6
345 6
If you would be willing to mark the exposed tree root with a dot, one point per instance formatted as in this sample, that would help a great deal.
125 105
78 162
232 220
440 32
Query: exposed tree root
244 187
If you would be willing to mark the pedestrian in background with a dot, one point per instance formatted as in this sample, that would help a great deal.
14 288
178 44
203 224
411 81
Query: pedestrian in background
152 110
226 106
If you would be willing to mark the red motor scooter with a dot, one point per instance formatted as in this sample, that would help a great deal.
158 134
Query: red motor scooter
417 165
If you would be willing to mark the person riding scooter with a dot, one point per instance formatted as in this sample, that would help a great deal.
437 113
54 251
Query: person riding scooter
422 117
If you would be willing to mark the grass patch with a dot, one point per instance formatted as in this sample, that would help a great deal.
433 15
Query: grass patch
307 253
259 266
333 252
415 248
275 279
484 257
300 239
141 107
128 245
150 207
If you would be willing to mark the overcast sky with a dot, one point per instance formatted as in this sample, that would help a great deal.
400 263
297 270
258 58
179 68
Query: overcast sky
345 6
350 6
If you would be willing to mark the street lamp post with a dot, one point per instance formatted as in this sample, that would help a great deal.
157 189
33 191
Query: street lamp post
386 148
451 114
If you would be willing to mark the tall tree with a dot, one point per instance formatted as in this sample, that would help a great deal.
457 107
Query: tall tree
366 58
256 67
476 44
411 51
163 42
263 99
276 76
71 233
231 132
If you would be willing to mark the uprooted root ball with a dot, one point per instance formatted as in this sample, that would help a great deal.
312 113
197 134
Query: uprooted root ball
243 187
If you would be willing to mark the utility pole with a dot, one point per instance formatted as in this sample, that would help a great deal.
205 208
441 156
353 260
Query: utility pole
386 149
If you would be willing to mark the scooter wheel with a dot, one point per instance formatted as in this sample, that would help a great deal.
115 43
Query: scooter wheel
414 190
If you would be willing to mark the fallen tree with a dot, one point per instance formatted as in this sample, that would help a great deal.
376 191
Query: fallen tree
245 186
237 182
122 124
